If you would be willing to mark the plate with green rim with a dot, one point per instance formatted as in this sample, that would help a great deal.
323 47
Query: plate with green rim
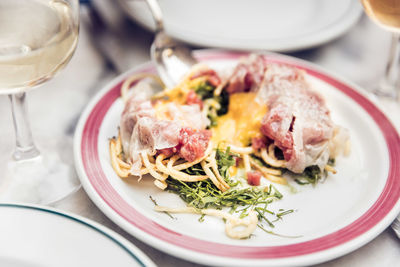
33 236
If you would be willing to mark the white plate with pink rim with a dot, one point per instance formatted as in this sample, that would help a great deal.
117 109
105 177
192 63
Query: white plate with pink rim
332 218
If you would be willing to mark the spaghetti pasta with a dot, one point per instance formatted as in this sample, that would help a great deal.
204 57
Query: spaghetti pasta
213 164
160 171
237 228
152 168
174 173
269 157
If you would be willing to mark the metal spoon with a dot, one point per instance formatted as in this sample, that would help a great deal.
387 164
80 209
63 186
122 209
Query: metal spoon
172 58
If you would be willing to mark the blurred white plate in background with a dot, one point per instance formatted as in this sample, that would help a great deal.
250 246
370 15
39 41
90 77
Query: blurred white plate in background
283 25
33 236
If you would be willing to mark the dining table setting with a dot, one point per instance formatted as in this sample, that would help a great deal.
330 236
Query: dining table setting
199 133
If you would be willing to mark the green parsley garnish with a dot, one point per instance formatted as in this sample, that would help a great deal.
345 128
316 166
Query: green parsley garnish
311 175
155 204
225 159
206 91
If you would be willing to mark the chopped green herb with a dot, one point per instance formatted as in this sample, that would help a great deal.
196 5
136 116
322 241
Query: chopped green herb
204 194
261 215
155 203
201 219
223 100
195 170
311 175
282 213
273 191
204 90
213 118
273 233
224 161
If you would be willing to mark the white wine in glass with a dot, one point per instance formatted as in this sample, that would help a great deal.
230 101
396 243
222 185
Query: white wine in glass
37 39
386 13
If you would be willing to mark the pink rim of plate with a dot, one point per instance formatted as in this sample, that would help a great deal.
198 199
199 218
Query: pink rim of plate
384 204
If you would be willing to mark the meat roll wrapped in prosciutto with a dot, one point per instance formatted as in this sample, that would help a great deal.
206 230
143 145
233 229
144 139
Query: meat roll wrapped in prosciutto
169 129
297 121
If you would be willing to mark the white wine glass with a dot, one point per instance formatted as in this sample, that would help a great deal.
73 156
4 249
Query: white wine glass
37 39
386 13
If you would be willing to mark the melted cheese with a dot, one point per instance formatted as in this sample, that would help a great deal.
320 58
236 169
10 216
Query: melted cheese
242 122
179 93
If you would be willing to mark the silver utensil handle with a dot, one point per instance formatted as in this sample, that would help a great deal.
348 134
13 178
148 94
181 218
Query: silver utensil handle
157 14
396 226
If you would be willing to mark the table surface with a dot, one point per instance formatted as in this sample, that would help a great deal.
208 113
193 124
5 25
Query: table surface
359 55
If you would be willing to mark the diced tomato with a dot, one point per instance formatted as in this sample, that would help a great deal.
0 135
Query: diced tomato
248 80
237 161
192 144
168 152
212 78
193 99
253 178
258 142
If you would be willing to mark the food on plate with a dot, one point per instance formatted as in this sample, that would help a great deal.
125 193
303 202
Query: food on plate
223 141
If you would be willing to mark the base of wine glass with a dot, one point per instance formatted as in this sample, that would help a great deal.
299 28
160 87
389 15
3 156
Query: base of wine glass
386 91
389 103
391 108
44 179
385 94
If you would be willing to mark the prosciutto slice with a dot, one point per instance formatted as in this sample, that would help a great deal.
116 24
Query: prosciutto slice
188 115
141 130
247 75
298 121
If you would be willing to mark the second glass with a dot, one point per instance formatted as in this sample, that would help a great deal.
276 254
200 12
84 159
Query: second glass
386 13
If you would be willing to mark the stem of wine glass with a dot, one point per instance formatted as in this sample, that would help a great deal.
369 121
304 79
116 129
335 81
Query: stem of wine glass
389 85
25 147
